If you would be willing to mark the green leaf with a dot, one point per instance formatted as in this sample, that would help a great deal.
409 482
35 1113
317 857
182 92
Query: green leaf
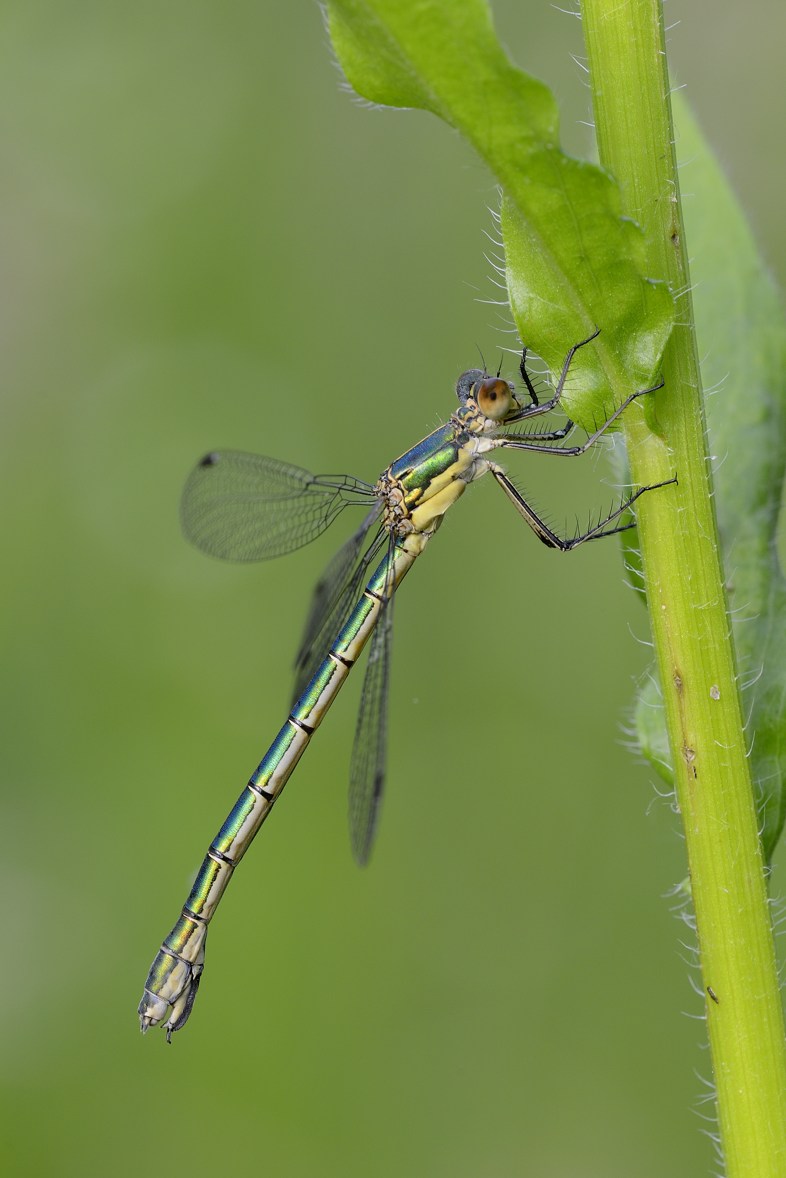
742 339
573 263
650 725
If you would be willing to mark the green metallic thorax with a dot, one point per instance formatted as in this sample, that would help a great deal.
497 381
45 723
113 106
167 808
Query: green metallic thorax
423 483
424 463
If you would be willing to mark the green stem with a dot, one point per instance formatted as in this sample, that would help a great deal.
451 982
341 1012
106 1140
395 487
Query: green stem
687 602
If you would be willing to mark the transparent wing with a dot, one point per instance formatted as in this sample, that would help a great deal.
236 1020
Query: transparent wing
245 507
367 771
334 596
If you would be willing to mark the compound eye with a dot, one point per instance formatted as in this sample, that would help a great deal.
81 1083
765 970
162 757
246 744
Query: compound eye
494 398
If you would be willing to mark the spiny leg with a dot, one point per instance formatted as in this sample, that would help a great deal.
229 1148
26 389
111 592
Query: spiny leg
535 442
549 537
552 435
518 443
527 380
536 408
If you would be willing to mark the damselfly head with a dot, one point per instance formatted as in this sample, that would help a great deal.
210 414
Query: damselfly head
493 396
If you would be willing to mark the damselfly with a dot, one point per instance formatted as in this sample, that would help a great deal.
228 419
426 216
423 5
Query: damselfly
245 507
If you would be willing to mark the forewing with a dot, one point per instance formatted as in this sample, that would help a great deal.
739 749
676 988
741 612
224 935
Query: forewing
246 507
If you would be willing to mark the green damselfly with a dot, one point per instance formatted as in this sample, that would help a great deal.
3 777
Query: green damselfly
245 507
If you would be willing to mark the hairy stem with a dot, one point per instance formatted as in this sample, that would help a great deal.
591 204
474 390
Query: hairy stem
687 601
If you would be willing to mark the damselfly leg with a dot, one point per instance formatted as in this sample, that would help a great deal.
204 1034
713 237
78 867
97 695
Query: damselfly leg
536 442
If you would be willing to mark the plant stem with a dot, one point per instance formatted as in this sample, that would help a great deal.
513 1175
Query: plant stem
687 603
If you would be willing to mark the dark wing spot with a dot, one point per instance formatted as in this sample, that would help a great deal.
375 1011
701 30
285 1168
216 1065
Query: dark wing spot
210 459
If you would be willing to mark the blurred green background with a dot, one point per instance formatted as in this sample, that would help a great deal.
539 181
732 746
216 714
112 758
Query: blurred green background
206 243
